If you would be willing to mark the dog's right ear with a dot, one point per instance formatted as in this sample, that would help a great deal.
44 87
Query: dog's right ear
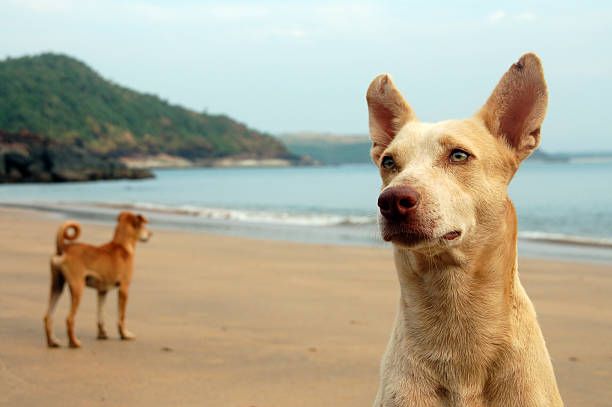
388 111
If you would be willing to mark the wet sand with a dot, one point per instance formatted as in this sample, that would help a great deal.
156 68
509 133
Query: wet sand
226 321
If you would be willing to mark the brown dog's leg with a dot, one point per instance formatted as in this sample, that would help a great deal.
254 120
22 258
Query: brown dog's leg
57 285
101 331
123 296
76 290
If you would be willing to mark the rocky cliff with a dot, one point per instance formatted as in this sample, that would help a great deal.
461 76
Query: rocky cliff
27 157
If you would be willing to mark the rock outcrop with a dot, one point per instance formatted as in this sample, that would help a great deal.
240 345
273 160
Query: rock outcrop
27 157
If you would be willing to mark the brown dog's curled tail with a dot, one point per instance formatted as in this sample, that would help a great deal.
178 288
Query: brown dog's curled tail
70 230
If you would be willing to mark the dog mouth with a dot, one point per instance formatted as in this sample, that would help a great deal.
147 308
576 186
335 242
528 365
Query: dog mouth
412 235
405 234
452 235
405 238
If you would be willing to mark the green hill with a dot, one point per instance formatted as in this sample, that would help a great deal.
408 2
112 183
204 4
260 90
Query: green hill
61 97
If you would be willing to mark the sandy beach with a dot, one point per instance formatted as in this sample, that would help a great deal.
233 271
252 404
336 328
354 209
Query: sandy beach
226 321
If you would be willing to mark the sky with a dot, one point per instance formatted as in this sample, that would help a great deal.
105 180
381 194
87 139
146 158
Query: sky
292 66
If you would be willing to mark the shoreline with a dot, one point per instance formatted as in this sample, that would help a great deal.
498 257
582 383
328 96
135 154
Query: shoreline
530 244
166 161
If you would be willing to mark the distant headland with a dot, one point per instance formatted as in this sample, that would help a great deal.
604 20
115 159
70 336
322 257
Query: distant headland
62 99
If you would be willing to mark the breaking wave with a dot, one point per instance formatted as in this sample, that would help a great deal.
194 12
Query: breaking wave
565 239
252 216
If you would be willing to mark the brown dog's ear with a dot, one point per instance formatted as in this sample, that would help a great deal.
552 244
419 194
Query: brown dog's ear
516 108
388 111
138 220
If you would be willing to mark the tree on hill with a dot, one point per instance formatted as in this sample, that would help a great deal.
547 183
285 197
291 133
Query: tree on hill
62 97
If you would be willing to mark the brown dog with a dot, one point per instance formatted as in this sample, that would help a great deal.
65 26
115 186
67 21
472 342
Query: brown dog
466 333
102 267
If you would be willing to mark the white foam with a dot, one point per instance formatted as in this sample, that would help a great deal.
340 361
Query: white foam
257 216
564 238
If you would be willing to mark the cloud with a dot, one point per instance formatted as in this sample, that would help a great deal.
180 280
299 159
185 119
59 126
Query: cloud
44 6
526 16
185 13
239 12
297 21
297 33
497 15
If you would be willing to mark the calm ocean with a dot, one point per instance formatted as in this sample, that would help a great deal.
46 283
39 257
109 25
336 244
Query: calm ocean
558 202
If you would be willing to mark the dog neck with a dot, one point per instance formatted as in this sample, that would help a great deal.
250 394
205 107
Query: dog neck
455 304
123 239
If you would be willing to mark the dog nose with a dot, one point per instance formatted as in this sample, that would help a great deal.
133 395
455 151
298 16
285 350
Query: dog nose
397 201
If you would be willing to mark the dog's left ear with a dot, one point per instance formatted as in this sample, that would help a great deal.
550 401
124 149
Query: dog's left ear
388 111
516 108
141 219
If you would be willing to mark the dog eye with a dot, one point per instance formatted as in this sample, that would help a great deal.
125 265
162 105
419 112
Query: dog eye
387 163
458 156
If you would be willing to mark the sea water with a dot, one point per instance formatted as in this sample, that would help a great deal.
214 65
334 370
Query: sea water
555 202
